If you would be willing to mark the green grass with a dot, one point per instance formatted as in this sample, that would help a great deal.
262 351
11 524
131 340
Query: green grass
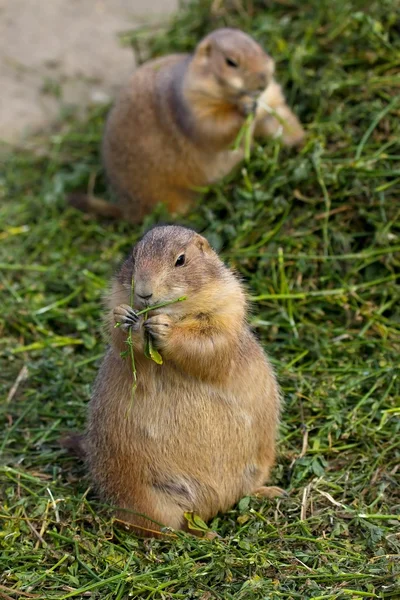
316 236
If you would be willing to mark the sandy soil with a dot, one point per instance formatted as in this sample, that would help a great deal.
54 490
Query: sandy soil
63 54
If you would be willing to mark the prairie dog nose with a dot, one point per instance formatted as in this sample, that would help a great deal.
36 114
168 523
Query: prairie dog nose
143 289
145 296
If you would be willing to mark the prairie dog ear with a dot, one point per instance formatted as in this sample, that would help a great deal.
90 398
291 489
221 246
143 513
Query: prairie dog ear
203 50
203 244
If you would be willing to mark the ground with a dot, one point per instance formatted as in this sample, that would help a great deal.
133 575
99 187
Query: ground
64 55
315 235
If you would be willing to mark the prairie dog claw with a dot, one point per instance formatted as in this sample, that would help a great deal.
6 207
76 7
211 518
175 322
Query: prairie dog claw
126 317
159 327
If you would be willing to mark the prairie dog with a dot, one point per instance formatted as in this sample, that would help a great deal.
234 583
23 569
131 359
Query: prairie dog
173 126
199 432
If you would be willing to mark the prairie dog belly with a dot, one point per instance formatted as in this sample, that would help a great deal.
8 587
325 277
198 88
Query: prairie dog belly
198 437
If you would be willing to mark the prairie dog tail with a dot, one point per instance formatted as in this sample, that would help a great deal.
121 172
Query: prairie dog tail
75 443
93 205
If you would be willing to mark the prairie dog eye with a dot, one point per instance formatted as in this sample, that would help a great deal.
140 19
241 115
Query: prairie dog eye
231 62
180 261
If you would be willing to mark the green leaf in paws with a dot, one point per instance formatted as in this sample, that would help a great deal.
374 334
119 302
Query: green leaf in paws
147 345
151 352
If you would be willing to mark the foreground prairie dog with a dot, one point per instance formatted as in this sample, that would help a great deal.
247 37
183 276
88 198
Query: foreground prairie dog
199 432
173 126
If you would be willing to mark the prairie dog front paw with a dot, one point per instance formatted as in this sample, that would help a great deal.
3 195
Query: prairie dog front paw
247 105
159 327
125 317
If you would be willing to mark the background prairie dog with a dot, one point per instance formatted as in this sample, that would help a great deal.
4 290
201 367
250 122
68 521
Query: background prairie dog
200 430
173 126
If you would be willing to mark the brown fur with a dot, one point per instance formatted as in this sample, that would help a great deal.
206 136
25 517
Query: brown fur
173 126
199 432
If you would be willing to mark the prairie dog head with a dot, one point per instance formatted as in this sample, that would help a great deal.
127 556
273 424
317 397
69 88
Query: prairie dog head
229 65
170 262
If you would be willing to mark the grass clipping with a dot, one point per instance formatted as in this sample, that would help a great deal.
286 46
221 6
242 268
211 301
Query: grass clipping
245 136
150 351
